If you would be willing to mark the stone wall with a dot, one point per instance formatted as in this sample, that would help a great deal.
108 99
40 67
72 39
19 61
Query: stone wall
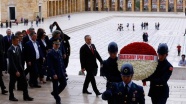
23 8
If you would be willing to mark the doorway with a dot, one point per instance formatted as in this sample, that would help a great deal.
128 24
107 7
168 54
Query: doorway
12 14
40 11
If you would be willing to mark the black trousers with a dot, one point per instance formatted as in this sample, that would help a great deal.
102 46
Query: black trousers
34 73
58 86
90 78
158 100
1 82
22 79
1 69
66 61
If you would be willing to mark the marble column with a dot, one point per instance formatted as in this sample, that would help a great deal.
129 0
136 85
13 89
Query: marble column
109 5
125 5
175 5
133 5
91 5
99 5
75 4
70 6
150 5
117 5
167 6
48 11
183 5
141 5
82 5
57 7
62 7
158 5
55 2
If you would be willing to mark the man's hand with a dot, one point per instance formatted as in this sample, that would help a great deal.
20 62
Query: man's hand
17 74
29 63
55 77
83 69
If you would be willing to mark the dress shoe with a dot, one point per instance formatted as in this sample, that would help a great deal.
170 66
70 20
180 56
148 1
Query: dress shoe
13 99
86 92
4 92
37 86
97 94
28 99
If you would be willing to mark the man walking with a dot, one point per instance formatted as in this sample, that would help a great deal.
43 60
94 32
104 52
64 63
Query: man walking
179 49
16 70
88 56
33 56
57 70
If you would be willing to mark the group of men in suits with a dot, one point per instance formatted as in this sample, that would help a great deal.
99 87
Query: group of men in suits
16 50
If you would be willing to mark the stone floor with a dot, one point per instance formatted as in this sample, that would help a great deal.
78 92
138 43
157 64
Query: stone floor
73 92
102 26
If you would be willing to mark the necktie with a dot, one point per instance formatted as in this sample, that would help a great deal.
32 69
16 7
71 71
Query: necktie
126 89
92 49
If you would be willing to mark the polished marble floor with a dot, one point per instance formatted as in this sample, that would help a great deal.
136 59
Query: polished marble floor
102 26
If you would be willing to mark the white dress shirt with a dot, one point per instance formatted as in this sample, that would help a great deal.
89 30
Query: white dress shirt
20 45
36 49
43 41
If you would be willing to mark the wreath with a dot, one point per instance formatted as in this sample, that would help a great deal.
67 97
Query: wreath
142 56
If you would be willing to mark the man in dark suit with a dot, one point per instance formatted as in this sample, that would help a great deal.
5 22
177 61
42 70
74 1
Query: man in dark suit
88 56
16 70
27 37
1 65
20 36
25 40
33 57
57 70
7 43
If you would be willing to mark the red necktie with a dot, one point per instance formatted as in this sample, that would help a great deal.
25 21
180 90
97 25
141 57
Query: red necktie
92 49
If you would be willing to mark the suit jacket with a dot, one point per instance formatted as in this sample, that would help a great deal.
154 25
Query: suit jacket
117 95
43 47
1 45
15 62
88 59
25 40
7 44
1 52
29 52
55 63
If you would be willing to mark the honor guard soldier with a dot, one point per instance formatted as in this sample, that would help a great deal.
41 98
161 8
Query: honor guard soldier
159 89
57 70
110 66
125 92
